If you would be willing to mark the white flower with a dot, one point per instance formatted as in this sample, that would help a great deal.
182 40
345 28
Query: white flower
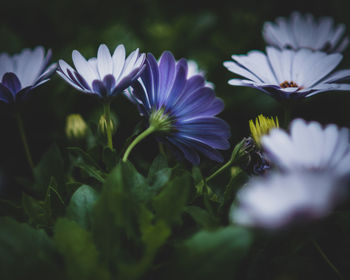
284 198
22 72
193 69
104 76
288 74
303 31
309 146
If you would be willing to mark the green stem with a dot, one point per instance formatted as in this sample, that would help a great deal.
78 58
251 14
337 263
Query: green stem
107 112
141 136
24 141
222 168
287 115
324 256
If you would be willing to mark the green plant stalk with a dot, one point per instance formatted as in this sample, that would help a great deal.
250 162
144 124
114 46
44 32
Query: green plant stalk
222 168
24 141
107 112
138 139
327 260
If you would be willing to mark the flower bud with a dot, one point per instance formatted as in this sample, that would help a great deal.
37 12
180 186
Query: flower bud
261 127
76 127
102 124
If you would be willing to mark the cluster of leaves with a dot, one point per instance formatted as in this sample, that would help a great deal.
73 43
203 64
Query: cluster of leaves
87 216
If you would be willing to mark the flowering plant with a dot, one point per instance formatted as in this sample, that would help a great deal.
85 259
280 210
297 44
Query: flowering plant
151 172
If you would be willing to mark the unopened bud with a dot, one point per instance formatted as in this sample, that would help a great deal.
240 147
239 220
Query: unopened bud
75 126
102 124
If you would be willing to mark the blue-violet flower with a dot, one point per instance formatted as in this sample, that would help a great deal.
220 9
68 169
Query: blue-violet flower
183 110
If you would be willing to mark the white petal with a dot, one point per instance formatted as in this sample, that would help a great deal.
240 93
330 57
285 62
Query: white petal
83 67
118 60
104 61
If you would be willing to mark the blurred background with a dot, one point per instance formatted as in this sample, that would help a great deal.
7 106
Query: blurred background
208 33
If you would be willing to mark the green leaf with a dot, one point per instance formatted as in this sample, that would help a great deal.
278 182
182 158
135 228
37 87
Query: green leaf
160 162
26 253
91 171
202 217
110 158
81 205
115 215
211 254
169 204
153 235
50 165
38 212
80 255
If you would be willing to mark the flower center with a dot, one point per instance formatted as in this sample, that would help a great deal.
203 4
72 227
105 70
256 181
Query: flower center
160 121
287 84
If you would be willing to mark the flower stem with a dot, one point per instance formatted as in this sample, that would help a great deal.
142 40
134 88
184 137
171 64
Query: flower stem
287 115
233 158
138 139
24 141
107 112
324 256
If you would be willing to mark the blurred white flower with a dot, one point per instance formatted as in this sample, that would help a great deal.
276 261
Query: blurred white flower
309 146
304 31
281 199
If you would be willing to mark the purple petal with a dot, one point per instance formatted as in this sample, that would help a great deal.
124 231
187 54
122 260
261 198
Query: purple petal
99 88
11 81
5 94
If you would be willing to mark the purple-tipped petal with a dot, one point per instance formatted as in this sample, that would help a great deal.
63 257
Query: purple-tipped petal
11 81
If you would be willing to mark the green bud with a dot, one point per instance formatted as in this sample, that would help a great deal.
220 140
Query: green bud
102 124
76 127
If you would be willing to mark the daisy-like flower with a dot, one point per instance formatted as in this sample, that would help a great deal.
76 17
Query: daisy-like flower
104 76
23 72
281 199
303 31
309 146
288 74
181 111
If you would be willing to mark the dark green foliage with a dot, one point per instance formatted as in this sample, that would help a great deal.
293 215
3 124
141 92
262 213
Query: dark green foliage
26 253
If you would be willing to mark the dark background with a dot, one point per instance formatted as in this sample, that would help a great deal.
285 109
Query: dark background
206 32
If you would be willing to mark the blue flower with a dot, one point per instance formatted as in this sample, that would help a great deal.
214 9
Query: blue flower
23 72
104 76
303 31
182 110
288 74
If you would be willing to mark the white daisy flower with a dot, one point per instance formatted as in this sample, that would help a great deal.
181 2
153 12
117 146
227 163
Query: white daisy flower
288 74
304 31
281 199
103 76
309 146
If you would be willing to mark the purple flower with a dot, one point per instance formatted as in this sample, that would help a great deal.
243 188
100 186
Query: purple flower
104 76
182 109
288 74
23 72
303 31
281 199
